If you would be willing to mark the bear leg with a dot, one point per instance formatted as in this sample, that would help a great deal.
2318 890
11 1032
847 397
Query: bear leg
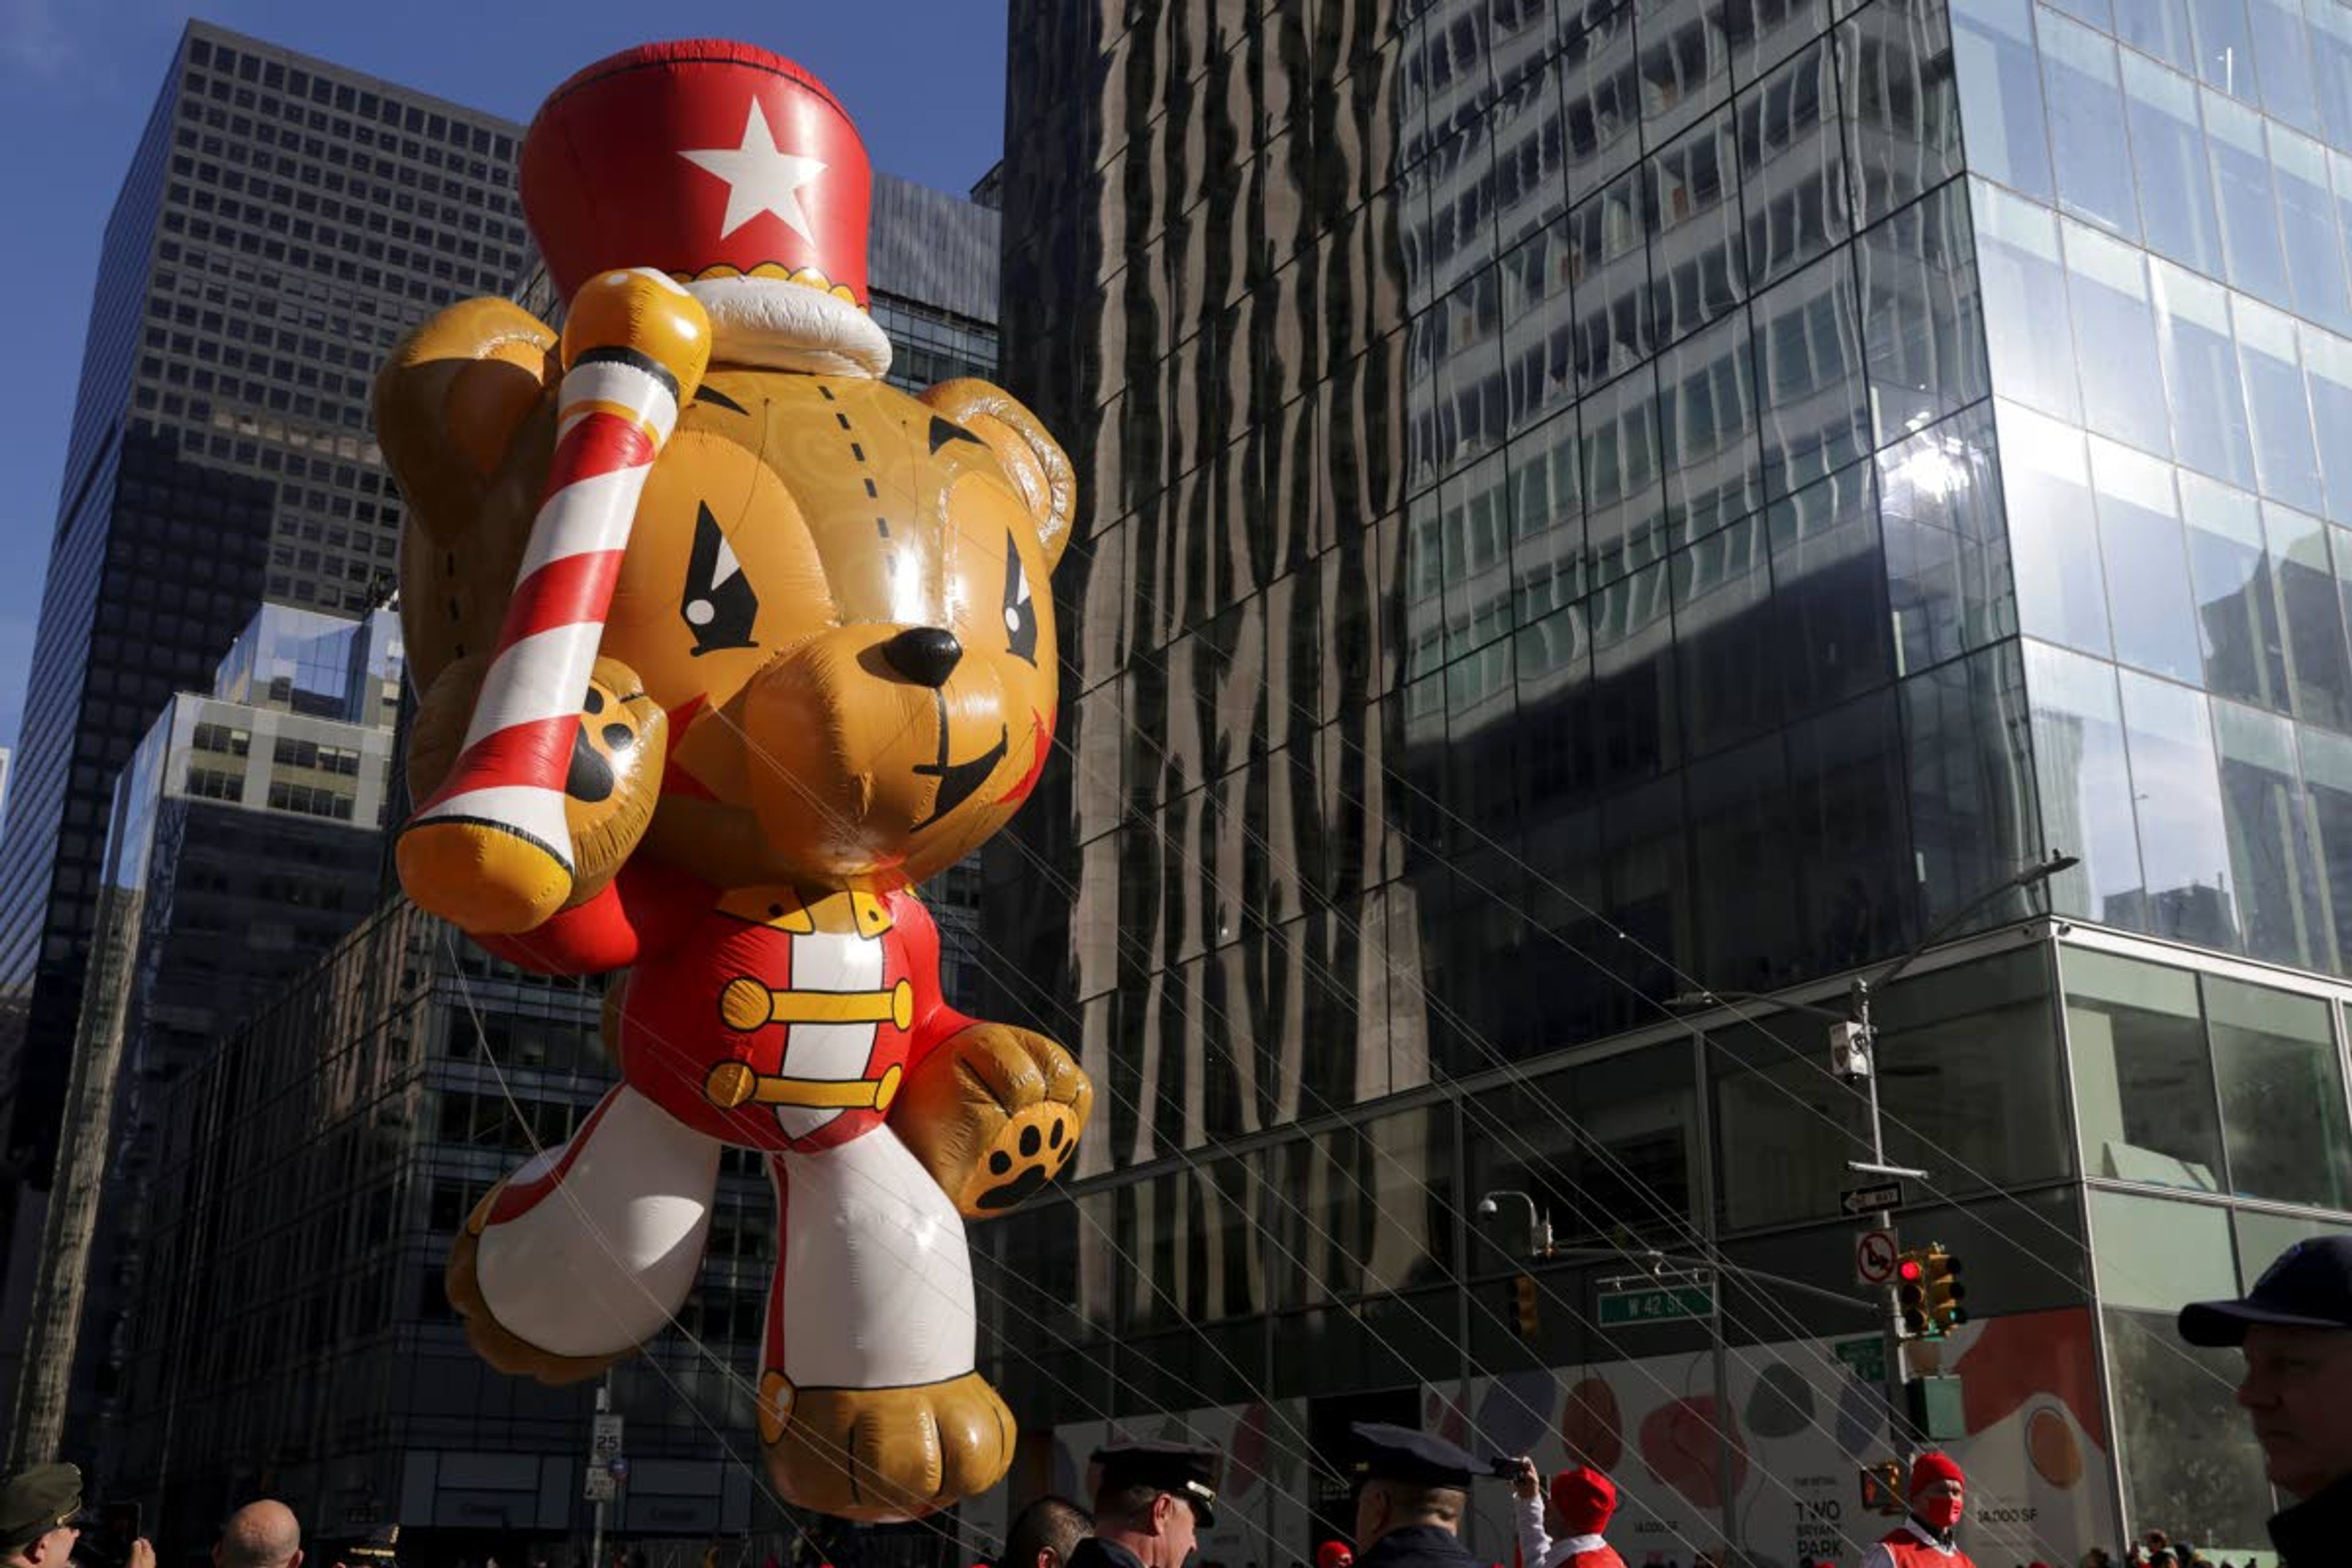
588 1249
870 1408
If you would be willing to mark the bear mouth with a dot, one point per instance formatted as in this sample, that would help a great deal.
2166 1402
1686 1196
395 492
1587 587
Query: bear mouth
958 781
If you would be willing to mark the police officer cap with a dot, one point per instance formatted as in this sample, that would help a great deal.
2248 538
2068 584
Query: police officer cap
35 1501
1387 1453
1176 1469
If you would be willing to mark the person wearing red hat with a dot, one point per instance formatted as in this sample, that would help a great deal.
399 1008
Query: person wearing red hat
1938 1494
1334 1554
1561 1526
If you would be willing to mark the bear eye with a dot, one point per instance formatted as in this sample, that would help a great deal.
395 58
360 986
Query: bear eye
1020 609
719 605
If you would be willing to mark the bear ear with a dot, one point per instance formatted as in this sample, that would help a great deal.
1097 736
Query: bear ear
1035 462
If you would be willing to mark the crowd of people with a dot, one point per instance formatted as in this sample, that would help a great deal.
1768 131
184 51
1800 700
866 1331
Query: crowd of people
2156 1550
42 1518
1151 1499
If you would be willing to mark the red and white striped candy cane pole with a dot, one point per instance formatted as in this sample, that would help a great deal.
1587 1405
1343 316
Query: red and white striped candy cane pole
491 850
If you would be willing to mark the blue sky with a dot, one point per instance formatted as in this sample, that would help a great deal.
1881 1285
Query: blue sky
924 79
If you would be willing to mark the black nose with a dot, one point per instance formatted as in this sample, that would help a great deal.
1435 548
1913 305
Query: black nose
924 655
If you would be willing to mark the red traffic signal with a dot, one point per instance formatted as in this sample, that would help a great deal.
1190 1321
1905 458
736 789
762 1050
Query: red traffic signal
1911 1294
1927 1292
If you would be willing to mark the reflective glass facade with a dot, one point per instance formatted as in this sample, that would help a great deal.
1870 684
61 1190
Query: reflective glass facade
1533 463
1586 502
2171 448
282 221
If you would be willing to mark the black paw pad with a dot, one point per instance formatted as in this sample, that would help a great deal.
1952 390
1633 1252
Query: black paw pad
1035 1155
590 776
1031 1178
607 732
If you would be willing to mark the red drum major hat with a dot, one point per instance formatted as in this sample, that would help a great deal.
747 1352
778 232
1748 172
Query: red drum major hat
732 169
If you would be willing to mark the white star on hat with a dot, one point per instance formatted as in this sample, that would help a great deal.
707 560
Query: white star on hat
759 177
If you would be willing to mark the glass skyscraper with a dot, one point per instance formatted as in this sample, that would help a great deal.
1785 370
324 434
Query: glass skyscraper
283 220
1590 503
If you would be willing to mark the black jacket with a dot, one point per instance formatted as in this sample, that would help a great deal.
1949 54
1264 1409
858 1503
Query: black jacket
1094 1552
1414 1546
2312 1534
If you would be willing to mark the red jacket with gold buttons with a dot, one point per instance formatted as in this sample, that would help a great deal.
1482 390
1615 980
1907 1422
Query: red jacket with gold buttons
751 1015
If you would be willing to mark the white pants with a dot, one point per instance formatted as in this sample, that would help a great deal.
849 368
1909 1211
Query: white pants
592 1247
873 1285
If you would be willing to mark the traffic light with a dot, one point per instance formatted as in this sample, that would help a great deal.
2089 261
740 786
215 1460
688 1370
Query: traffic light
1523 1306
1882 1488
1911 1294
1928 1292
1945 1292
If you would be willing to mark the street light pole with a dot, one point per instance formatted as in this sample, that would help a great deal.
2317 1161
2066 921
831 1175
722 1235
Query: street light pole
1891 1327
1853 1052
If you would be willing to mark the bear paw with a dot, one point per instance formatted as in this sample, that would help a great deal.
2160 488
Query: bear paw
884 1455
614 781
492 881
993 1114
1029 1151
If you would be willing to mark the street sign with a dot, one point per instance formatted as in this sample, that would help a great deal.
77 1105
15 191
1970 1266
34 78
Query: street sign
1659 1305
1873 1257
605 1465
1860 1201
1867 1357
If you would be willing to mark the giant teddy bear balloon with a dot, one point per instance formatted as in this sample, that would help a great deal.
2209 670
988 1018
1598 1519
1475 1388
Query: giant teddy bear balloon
725 646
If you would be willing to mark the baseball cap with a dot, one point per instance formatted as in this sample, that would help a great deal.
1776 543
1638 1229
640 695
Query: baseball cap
2308 1286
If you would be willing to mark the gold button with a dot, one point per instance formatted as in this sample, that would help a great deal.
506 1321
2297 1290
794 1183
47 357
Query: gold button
745 1004
887 1090
729 1085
